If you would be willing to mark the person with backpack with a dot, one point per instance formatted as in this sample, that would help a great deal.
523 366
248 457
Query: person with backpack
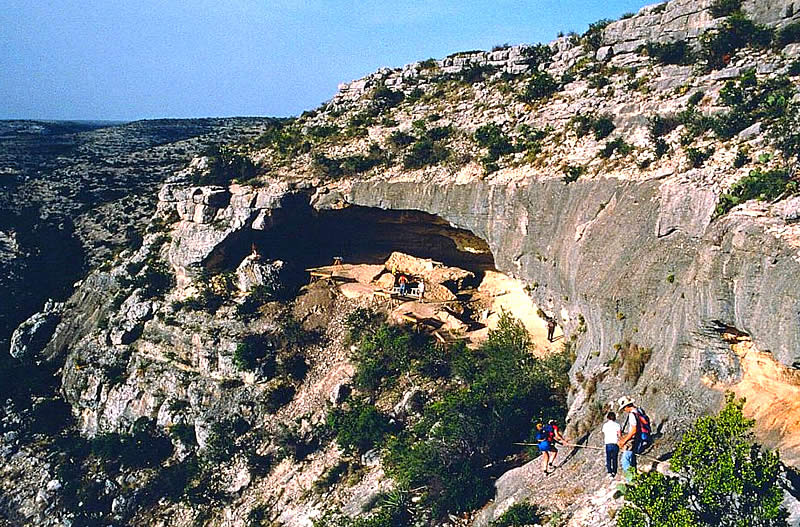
546 437
611 434
628 433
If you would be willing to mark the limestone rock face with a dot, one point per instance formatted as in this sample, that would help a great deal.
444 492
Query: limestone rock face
254 272
30 338
129 322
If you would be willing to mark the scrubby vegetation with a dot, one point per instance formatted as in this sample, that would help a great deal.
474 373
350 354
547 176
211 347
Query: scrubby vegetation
677 52
540 86
600 125
723 479
631 359
761 185
489 397
519 515
736 32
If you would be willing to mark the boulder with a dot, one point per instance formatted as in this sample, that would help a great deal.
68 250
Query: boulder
128 324
253 271
31 336
340 393
410 404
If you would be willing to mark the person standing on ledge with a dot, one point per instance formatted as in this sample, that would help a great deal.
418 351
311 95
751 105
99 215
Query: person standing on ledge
626 442
611 434
551 328
403 281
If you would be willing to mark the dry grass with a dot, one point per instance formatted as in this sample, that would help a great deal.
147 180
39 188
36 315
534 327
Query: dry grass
631 360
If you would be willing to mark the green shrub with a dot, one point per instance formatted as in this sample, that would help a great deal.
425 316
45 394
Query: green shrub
519 515
593 38
751 100
491 137
279 395
660 147
537 55
698 157
572 173
695 123
677 52
598 80
323 131
359 426
284 137
724 479
695 98
383 355
224 166
717 46
788 34
721 8
540 86
660 125
618 146
763 186
529 140
386 98
602 126
155 280
255 352
741 158
348 166
398 140
360 322
425 152
500 388
784 132
221 440
184 433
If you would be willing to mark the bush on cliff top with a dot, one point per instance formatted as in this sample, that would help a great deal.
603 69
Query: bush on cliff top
761 185
717 46
725 479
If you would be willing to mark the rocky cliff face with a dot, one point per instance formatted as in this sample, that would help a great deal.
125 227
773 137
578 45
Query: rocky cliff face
609 219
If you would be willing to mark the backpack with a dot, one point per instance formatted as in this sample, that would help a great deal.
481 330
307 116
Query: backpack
644 437
550 430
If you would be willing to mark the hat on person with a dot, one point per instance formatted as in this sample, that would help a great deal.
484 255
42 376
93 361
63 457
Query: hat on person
624 401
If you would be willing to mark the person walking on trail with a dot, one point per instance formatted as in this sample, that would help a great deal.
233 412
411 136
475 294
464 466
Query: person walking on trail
403 281
611 434
547 436
627 440
546 447
421 288
551 328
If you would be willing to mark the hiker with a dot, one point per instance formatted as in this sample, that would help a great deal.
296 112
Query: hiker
546 447
551 435
421 289
551 328
631 440
403 281
611 434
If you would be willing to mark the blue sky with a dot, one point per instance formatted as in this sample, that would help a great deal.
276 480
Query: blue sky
125 60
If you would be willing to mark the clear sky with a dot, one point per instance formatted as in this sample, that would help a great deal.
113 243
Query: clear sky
135 59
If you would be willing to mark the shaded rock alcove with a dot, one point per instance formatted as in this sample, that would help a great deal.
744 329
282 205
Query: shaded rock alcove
304 237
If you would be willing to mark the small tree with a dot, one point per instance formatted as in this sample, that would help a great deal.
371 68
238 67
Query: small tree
725 479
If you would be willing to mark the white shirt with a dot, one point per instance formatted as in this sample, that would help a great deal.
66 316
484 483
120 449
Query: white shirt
610 431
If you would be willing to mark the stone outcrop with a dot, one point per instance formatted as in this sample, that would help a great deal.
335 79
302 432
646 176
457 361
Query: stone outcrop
30 338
